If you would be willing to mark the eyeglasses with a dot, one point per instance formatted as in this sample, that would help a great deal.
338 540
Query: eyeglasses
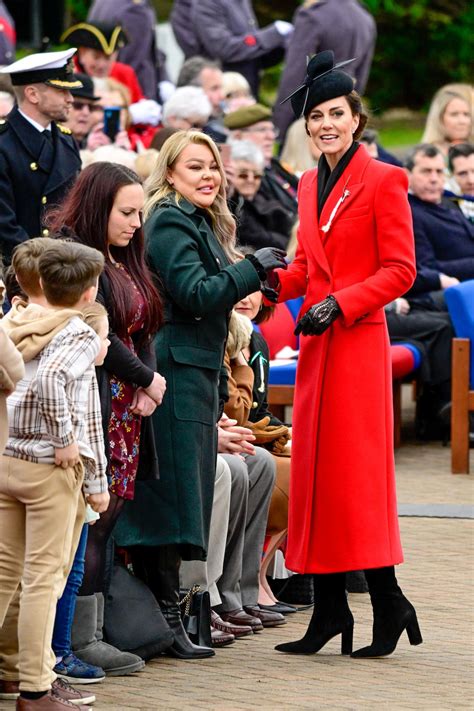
263 129
246 174
79 105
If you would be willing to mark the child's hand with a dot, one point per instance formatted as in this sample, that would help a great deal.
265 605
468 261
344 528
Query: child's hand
66 457
99 502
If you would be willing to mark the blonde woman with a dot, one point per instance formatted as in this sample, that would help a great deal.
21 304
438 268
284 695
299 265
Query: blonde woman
450 117
191 238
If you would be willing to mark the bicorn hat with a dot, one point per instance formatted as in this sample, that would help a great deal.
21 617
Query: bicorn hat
323 81
53 68
106 38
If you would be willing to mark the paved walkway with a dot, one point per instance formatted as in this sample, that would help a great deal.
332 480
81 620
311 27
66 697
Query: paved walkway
437 577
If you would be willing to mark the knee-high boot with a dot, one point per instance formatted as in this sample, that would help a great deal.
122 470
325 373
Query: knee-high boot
331 617
158 567
393 614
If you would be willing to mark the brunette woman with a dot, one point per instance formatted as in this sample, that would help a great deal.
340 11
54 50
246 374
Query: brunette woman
355 254
103 210
191 236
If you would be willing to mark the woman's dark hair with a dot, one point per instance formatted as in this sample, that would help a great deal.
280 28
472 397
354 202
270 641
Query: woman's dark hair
357 109
85 212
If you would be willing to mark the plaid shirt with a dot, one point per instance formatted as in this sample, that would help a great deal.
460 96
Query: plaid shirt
57 403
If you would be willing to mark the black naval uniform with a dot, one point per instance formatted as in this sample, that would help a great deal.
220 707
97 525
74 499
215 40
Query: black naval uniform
35 173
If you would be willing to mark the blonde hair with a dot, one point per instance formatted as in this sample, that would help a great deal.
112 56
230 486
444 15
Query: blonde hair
145 163
93 314
296 152
25 263
434 130
157 187
234 82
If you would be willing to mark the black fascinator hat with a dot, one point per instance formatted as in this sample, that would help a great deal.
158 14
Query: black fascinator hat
323 81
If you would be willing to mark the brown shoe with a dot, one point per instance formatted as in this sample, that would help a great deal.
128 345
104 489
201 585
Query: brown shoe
9 690
239 617
48 702
64 690
266 617
235 630
221 639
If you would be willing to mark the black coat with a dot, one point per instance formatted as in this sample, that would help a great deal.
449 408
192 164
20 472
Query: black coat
262 222
444 243
34 175
259 361
200 289
137 369
281 185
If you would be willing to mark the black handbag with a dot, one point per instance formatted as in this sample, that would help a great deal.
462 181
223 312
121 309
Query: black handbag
133 621
196 615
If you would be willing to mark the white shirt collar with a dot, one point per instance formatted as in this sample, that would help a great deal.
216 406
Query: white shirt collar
34 123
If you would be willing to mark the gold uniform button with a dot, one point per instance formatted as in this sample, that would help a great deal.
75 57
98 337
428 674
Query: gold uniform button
254 405
45 233
44 200
34 166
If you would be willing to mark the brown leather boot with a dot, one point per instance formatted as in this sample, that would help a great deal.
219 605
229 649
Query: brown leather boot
9 690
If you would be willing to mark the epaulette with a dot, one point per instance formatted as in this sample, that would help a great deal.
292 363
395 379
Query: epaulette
3 125
64 129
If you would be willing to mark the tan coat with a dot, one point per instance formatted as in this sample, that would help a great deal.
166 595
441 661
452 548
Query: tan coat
12 370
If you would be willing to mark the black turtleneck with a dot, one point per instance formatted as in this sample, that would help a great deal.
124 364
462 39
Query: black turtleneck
328 178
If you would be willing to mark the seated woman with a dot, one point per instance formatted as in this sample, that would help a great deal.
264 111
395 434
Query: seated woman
261 222
449 119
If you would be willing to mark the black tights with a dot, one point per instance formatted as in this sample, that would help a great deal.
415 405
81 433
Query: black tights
96 551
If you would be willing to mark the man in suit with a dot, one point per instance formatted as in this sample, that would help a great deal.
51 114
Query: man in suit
39 159
444 238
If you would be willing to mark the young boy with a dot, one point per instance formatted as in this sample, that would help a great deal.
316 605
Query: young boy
55 445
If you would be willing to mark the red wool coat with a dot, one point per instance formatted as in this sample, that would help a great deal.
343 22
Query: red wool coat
343 509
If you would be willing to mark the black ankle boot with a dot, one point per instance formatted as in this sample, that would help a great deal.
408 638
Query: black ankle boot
331 617
159 569
393 614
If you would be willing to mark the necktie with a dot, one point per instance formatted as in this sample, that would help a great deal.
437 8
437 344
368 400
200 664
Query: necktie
48 135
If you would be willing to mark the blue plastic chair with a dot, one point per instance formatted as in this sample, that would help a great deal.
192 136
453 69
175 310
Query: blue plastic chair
460 303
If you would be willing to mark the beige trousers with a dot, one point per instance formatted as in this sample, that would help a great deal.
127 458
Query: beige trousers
41 515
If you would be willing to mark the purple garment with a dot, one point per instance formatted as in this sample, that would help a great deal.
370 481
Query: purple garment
138 19
341 25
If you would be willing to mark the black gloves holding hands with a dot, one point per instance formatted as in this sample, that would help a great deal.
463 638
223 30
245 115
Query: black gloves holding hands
318 318
265 260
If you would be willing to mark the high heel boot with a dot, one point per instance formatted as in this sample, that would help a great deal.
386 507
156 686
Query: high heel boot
331 617
393 614
158 567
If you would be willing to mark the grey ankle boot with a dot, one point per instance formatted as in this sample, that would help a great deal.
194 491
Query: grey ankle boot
88 644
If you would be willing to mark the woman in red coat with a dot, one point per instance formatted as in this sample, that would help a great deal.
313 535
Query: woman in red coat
355 254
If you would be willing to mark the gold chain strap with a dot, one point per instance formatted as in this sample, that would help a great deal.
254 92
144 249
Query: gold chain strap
188 598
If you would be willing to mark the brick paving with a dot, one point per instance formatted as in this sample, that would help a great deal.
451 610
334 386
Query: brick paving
437 576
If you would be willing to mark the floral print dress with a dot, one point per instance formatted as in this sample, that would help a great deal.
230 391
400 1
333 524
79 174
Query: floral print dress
124 426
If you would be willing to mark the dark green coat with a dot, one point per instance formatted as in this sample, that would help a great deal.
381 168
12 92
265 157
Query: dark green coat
200 288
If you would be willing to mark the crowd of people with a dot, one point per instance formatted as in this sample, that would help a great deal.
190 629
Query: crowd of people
146 229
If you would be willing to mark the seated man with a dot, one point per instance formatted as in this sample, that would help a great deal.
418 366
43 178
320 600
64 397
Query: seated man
188 108
444 238
207 74
461 167
254 123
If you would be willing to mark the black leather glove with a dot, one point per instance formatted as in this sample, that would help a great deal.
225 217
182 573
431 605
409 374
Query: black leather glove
318 318
266 259
270 287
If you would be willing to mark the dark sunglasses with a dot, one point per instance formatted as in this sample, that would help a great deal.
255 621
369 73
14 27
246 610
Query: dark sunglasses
79 105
